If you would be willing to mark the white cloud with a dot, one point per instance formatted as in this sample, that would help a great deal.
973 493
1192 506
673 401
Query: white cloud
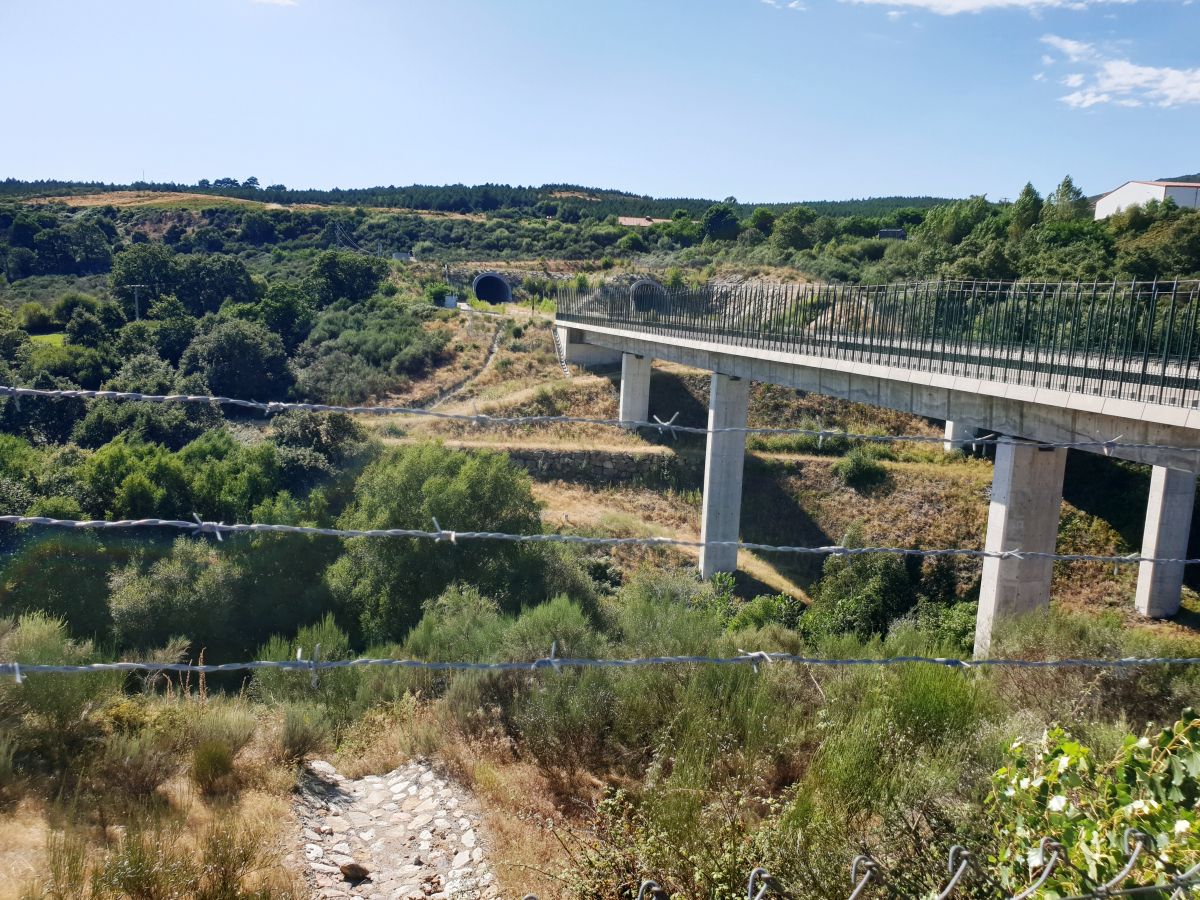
797 6
953 7
1122 82
1074 50
1039 76
772 3
1047 60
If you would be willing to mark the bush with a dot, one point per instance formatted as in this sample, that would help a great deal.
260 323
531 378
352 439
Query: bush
134 765
336 688
65 306
305 730
212 766
384 583
339 275
34 318
239 359
858 469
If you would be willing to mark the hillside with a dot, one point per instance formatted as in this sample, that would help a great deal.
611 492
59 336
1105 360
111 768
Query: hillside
575 783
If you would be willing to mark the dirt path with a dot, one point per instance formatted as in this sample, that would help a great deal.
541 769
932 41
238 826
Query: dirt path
410 835
451 391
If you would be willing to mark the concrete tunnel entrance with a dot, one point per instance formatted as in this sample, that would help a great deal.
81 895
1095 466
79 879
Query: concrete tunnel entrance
492 288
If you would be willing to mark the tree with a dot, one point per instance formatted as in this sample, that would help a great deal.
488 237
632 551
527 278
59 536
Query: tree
287 310
384 582
789 233
340 275
150 265
85 330
205 282
1025 211
762 219
720 223
239 359
250 182
257 228
1066 204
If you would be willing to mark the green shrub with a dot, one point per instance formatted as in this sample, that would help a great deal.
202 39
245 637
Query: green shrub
459 625
212 766
305 730
34 318
384 583
1055 789
565 721
558 622
134 765
335 689
858 469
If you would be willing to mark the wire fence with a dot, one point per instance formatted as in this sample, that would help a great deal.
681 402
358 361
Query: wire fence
753 659
1052 857
198 527
667 426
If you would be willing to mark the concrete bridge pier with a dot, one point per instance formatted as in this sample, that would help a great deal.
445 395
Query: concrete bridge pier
1027 485
635 387
958 436
728 407
1168 526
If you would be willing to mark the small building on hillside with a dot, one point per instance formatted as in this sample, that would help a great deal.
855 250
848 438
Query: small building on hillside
1137 193
893 234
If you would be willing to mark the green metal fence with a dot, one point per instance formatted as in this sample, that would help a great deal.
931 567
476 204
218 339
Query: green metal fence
1134 341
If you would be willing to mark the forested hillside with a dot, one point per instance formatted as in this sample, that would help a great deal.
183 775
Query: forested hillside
1032 238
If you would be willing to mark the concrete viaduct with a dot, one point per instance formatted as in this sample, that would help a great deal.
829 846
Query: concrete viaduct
1041 363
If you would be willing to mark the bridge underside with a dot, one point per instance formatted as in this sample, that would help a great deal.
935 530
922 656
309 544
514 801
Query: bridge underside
1036 414
1027 485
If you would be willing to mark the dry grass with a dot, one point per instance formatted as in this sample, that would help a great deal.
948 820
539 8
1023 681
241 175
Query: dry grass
176 199
521 814
22 846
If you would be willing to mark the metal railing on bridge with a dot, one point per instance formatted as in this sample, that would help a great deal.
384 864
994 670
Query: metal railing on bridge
1130 340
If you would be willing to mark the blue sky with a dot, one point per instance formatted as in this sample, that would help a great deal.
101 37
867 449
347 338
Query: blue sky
765 100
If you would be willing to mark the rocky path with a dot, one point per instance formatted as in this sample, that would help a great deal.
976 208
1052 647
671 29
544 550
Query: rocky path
409 835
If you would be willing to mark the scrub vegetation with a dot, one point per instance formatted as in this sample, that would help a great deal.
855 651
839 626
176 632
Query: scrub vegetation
154 786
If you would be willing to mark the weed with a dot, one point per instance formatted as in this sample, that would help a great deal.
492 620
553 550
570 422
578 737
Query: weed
212 766
858 469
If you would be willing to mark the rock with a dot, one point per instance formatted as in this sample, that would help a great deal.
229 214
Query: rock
340 859
468 839
477 854
389 806
342 848
461 859
427 806
368 835
426 778
313 852
325 829
410 804
355 871
311 835
376 797
321 867
321 767
373 778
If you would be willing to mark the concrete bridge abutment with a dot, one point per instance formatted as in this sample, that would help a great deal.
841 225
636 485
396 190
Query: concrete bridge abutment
1168 526
728 407
1027 485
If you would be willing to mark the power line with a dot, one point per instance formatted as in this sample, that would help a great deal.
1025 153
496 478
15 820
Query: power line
663 427
199 526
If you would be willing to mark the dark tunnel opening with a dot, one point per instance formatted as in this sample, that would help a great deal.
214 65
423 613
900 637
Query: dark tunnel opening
491 288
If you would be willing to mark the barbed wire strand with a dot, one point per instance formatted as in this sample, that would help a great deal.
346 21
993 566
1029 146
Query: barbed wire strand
960 860
218 529
660 425
315 664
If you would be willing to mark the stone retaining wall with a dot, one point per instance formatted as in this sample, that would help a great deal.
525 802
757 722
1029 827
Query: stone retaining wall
600 465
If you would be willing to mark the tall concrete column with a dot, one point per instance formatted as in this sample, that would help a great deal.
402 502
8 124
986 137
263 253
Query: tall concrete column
1168 525
728 407
958 436
1027 486
635 387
